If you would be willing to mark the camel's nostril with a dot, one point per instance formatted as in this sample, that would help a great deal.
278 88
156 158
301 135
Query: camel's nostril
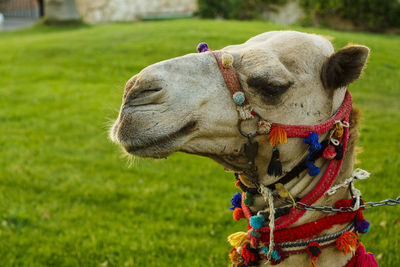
139 96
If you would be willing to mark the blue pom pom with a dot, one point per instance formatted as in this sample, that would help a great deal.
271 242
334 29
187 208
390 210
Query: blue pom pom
312 169
239 98
256 221
265 250
236 201
312 140
254 233
275 255
202 47
362 226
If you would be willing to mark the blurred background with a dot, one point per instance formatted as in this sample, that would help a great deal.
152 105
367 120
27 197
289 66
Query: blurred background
69 197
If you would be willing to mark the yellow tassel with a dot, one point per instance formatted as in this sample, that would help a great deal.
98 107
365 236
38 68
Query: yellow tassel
238 239
284 193
339 131
277 136
235 257
227 60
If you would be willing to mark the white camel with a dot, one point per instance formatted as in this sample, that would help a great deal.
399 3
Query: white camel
288 78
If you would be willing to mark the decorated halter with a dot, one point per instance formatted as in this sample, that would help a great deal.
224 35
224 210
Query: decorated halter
277 241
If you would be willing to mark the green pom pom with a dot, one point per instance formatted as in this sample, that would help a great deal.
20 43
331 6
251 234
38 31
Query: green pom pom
248 200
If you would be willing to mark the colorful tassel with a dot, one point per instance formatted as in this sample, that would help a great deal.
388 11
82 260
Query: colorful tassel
314 250
227 60
256 221
248 199
275 165
329 152
347 243
236 201
238 214
202 47
362 226
250 255
277 136
238 239
365 259
235 257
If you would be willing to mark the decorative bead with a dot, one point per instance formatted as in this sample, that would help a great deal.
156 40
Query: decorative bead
256 221
362 226
202 47
263 127
239 98
227 60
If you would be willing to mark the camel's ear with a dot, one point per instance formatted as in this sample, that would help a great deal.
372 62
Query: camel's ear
344 66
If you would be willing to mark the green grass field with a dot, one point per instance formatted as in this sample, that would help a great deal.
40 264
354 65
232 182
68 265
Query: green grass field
68 196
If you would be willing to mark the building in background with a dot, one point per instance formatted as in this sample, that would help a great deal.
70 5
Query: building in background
99 11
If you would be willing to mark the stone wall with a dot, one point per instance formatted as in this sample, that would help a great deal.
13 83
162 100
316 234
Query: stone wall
97 11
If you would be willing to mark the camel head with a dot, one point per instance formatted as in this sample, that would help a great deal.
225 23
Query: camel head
183 104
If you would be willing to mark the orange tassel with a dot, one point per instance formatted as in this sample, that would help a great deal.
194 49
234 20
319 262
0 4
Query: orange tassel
235 257
348 242
277 136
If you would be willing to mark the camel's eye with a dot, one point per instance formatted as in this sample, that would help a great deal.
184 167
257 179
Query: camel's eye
268 88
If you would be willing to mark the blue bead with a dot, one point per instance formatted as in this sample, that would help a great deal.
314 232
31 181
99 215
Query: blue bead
239 98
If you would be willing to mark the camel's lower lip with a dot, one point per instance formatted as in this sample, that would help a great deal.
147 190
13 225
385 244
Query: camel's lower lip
162 141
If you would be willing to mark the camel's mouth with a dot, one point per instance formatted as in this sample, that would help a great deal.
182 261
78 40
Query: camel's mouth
162 146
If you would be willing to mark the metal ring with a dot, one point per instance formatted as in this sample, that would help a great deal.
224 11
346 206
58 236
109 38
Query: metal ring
248 135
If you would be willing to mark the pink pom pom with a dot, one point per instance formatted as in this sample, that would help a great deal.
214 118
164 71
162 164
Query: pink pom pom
365 259
329 152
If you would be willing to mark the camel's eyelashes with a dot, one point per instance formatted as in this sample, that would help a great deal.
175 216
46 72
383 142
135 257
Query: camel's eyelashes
267 88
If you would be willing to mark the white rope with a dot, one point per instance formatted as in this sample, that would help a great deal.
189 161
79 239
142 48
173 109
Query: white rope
268 197
357 174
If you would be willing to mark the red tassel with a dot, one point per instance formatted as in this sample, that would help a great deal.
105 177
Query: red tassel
365 259
329 152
